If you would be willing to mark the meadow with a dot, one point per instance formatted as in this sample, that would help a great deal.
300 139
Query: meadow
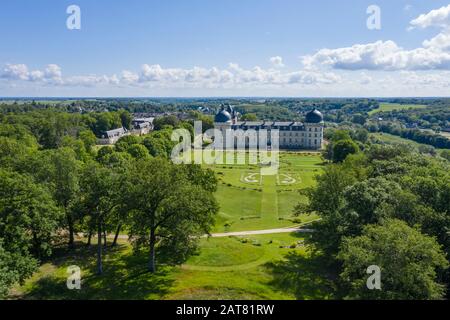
269 266
251 201
392 139
386 107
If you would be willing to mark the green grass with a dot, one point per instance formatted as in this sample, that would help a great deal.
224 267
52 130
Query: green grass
264 202
250 267
386 107
225 268
392 139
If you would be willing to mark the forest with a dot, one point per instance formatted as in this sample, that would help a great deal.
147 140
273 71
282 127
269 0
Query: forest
383 204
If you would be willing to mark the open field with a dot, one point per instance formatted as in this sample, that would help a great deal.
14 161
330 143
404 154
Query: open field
386 107
244 267
251 201
251 267
392 139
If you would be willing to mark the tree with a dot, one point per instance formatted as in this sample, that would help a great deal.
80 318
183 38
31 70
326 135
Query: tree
327 199
29 219
169 210
125 142
343 148
28 214
103 152
249 117
338 135
138 151
64 177
159 143
76 145
408 261
98 198
14 268
125 118
88 138
359 119
160 123
360 135
445 154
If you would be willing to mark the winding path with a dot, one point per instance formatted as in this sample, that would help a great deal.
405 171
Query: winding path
299 229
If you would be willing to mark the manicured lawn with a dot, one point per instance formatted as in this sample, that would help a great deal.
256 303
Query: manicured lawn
386 107
249 201
251 267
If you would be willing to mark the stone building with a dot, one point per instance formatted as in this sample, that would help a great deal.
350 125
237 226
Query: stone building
292 135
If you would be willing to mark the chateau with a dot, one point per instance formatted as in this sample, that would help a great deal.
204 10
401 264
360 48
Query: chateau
293 135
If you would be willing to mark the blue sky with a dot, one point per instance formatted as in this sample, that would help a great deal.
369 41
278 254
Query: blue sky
224 48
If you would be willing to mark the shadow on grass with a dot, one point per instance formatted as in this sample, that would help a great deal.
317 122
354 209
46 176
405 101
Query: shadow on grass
125 276
306 276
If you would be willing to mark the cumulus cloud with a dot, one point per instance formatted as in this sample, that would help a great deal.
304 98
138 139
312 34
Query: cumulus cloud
437 18
387 55
380 55
15 72
52 72
420 79
441 41
155 75
277 61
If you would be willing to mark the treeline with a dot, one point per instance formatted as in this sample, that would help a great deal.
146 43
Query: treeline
51 127
384 207
261 112
434 117
50 194
435 140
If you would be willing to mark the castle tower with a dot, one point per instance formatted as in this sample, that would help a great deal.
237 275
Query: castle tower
223 122
314 129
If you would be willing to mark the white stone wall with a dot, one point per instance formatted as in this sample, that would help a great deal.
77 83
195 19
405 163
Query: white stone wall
311 138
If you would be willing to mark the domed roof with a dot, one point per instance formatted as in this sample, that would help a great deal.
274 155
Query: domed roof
230 109
223 116
314 116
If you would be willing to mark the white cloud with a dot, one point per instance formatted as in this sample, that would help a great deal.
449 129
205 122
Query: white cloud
437 18
365 78
234 76
441 41
52 72
15 72
387 55
422 70
420 79
277 61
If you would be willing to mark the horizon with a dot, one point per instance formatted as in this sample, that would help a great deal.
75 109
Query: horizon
218 97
